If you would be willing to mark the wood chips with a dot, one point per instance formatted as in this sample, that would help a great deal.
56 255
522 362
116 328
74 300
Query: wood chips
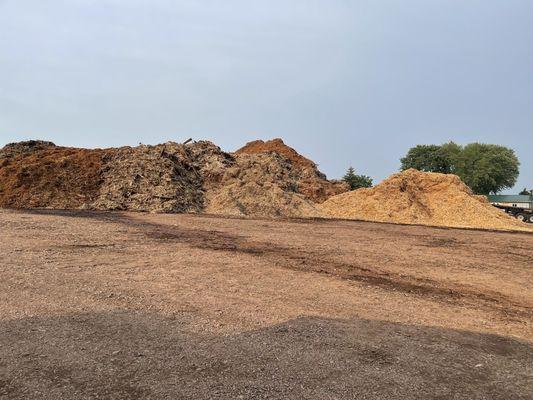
414 197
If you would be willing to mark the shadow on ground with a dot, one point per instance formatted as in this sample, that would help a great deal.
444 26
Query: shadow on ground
133 355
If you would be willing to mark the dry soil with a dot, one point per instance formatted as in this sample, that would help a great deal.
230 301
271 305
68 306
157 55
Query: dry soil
130 306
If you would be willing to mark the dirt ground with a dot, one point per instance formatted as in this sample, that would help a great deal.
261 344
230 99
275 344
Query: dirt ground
141 306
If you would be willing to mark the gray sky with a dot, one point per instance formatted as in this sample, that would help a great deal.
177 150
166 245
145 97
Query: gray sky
345 82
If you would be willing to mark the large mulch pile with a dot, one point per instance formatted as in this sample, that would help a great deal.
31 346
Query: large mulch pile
38 174
162 178
414 197
169 177
270 179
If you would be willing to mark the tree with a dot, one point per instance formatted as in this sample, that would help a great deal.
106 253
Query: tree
526 192
428 158
485 168
356 181
452 151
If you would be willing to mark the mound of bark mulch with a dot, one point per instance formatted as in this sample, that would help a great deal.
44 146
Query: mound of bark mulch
38 174
414 197
161 178
169 177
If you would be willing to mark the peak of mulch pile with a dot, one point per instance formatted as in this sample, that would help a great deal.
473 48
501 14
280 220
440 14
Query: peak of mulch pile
169 177
30 146
312 183
277 146
414 197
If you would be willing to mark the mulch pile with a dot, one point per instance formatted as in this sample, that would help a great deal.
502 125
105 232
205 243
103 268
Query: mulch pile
311 183
162 178
169 177
268 179
260 184
39 174
414 197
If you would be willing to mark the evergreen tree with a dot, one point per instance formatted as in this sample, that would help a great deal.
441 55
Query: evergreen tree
356 181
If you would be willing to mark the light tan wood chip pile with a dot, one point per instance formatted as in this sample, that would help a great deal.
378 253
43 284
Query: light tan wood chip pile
414 197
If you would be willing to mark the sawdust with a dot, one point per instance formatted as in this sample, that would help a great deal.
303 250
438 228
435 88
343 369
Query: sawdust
414 197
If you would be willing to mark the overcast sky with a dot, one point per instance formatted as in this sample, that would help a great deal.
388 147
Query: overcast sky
345 82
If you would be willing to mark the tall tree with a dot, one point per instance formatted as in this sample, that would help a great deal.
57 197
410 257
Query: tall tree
485 168
356 181
428 158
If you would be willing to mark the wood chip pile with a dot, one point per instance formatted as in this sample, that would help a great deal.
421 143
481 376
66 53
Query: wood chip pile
169 177
37 174
414 197
311 182
266 179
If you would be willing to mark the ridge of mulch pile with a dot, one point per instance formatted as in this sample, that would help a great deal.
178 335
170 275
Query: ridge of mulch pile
277 146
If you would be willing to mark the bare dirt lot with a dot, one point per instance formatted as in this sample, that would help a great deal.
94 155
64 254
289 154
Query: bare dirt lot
131 306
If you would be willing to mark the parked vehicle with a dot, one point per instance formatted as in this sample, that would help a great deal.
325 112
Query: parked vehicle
519 206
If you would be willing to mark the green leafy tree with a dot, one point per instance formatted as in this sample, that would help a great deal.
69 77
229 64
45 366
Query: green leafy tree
452 151
526 192
485 168
356 181
428 158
